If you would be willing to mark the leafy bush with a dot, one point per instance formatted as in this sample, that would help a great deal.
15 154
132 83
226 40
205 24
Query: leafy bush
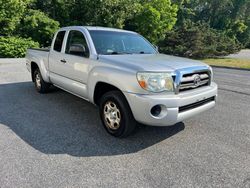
15 46
198 40
38 26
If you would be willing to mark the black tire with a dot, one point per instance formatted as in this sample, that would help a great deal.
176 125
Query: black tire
127 122
43 87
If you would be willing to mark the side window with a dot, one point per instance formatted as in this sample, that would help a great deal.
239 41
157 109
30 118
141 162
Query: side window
59 41
76 44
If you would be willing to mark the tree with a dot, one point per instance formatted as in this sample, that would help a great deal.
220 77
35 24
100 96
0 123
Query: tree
58 10
11 11
230 16
38 26
242 13
198 40
111 13
154 19
158 16
114 13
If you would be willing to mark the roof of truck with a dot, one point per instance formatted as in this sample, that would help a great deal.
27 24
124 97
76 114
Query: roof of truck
98 28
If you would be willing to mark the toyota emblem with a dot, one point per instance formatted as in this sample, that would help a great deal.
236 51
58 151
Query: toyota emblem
197 80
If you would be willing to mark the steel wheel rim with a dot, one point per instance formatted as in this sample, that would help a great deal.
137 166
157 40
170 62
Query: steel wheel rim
112 115
38 81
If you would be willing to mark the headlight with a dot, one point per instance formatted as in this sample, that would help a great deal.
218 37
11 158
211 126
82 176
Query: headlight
155 82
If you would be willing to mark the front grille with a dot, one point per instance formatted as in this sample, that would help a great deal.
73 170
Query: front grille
194 80
195 105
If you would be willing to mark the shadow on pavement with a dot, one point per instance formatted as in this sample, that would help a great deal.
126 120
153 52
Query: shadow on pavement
60 123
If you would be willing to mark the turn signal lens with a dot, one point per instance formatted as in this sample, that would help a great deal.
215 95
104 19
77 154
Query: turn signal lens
143 84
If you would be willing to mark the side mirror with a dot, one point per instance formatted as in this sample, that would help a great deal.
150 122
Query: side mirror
77 49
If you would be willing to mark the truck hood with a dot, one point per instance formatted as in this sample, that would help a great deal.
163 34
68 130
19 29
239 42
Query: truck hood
150 62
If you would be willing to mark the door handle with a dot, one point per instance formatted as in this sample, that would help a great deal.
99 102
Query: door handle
63 61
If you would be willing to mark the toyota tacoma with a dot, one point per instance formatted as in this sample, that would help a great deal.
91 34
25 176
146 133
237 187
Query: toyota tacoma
125 76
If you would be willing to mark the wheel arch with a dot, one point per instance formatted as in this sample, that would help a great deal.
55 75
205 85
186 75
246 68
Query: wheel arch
40 65
101 88
33 66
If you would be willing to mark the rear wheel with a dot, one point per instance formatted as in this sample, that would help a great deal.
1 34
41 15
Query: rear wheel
116 114
40 85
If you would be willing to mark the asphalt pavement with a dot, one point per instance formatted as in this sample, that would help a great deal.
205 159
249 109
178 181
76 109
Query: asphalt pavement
57 140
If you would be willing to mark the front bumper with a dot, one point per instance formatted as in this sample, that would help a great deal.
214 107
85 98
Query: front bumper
141 105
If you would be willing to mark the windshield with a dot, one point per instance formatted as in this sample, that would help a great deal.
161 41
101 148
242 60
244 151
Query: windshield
114 43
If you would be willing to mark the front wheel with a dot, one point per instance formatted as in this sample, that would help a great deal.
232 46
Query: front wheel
116 114
40 85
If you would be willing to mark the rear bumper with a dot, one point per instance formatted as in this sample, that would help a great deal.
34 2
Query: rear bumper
176 108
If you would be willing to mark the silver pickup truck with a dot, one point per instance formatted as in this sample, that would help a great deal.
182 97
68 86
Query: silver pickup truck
125 76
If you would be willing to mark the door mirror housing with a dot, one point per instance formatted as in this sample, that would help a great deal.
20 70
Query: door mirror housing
78 49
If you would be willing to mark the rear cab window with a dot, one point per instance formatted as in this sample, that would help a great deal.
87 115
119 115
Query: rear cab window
59 41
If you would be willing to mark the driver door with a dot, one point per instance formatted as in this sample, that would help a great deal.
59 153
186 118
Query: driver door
76 63
76 57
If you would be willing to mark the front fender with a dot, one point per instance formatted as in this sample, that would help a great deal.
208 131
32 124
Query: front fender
125 80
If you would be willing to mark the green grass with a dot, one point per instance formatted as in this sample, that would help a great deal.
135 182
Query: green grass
229 62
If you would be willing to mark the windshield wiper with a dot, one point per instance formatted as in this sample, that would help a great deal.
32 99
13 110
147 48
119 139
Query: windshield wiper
122 53
142 52
117 53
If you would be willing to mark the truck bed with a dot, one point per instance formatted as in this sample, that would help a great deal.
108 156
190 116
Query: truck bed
38 55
